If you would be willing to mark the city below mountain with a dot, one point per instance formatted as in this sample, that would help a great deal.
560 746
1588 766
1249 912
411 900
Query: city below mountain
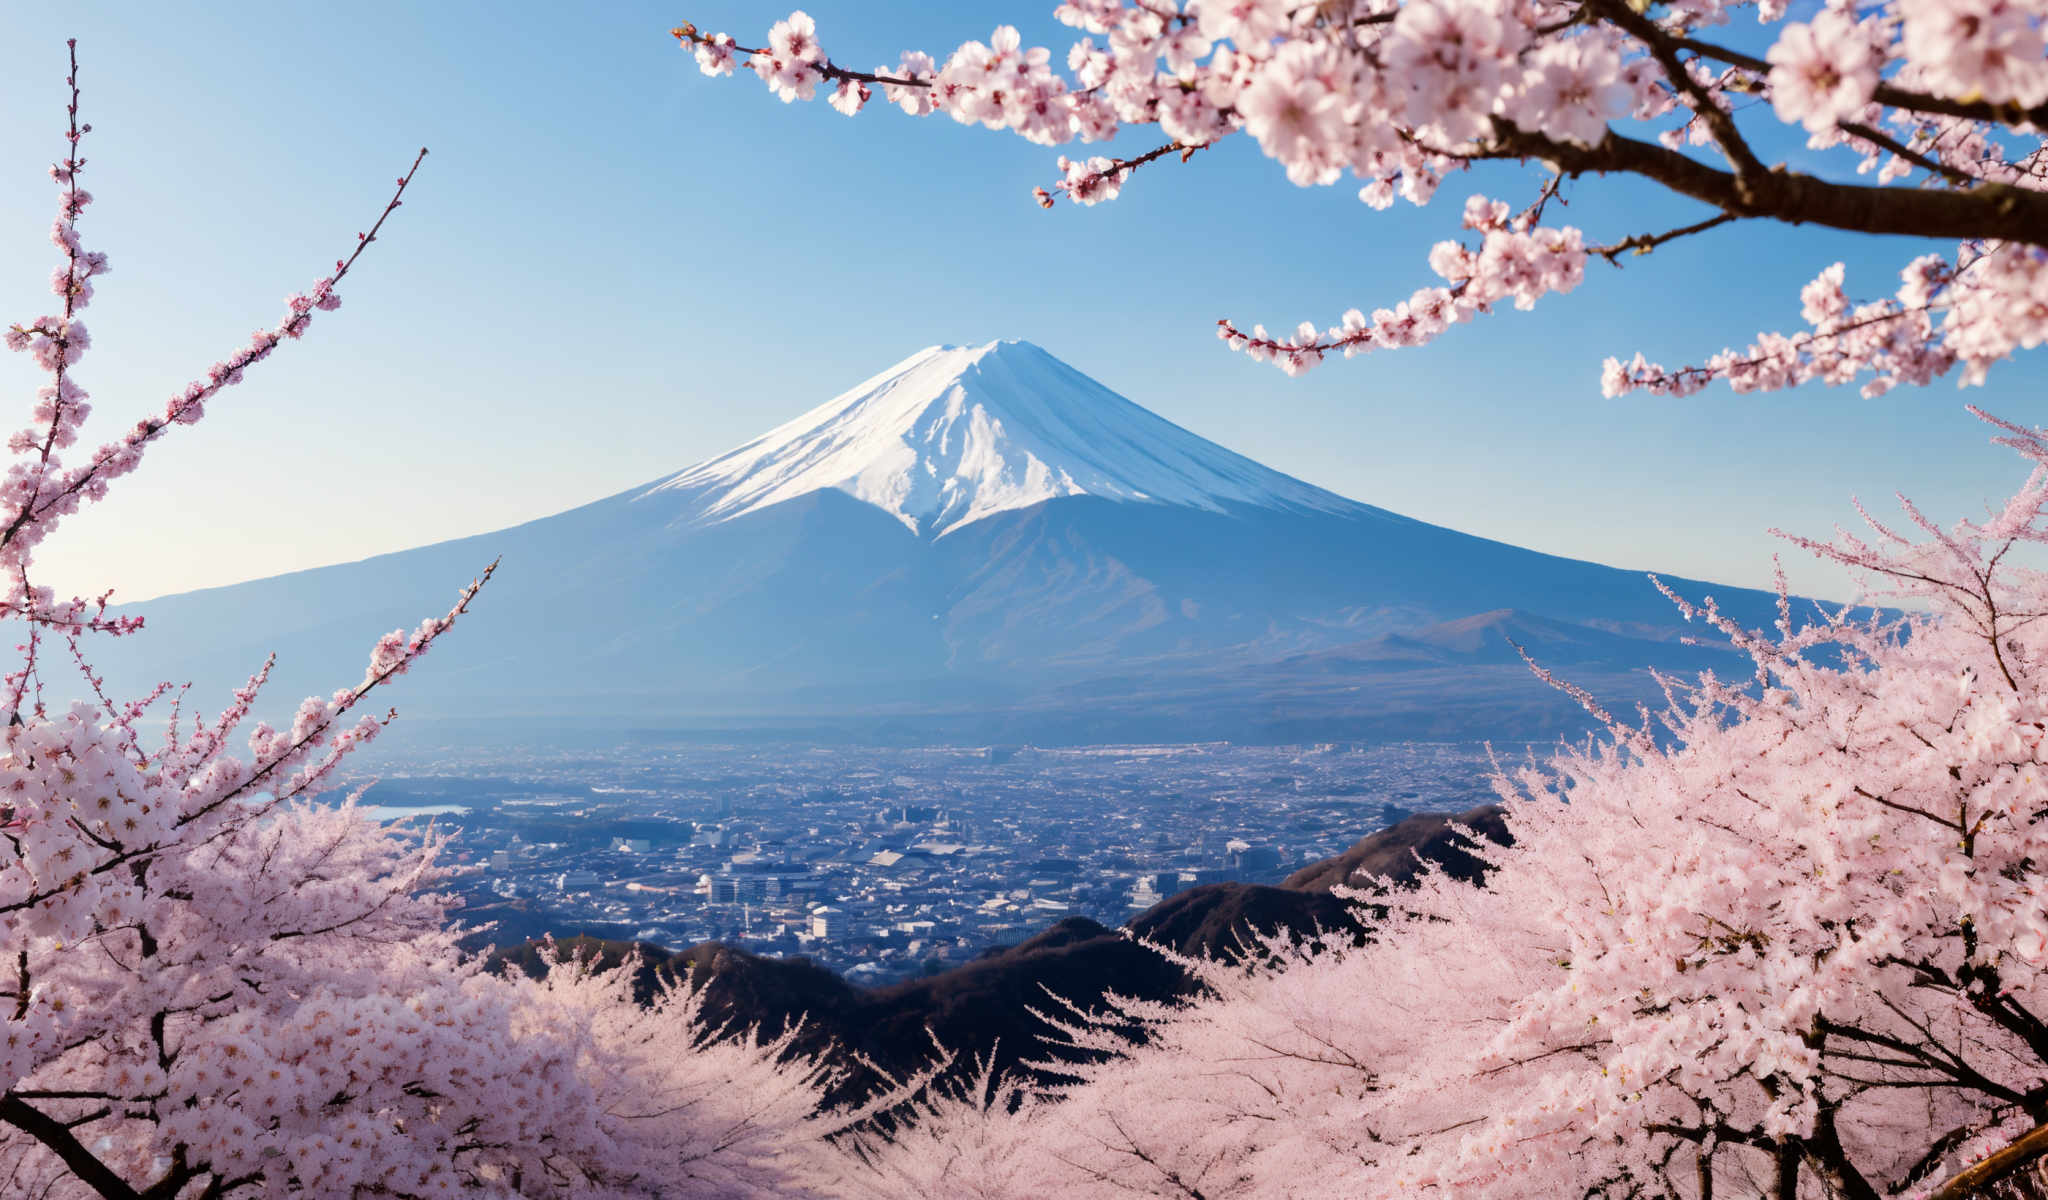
992 1012
977 543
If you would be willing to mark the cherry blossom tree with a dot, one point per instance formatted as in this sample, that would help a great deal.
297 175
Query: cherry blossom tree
1941 103
1786 938
211 986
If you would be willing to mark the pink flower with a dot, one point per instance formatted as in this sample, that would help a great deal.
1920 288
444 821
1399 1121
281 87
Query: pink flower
1989 47
1824 72
795 38
1823 300
789 79
1452 56
849 96
1248 23
1293 111
1572 90
917 101
715 56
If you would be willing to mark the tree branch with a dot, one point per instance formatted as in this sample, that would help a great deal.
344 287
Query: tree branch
1643 243
59 1140
2025 1149
1990 210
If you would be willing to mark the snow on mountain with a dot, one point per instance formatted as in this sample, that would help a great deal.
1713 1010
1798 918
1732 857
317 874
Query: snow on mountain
953 434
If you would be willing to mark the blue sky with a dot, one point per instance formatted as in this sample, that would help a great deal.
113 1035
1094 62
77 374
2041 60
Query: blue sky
612 267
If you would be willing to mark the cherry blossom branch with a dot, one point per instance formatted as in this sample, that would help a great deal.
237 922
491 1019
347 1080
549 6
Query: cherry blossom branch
1101 178
119 718
1719 123
1688 379
689 35
1643 243
62 335
60 1141
280 752
113 461
1515 260
1879 138
58 341
1992 211
393 656
1973 1179
1889 94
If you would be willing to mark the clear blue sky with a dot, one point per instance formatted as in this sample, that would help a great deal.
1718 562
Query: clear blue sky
612 267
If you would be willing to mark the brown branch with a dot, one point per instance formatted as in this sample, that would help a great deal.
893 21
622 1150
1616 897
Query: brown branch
689 35
1909 809
1719 122
1885 141
1643 243
1124 166
1991 210
2023 1150
1888 94
60 1141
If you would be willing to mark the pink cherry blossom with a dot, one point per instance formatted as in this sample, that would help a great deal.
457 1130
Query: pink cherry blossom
1292 110
850 96
1577 85
1824 72
795 39
1993 48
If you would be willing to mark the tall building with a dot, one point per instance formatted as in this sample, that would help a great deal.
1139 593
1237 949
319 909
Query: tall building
577 881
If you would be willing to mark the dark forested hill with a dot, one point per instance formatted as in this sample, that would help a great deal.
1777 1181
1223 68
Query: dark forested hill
988 1008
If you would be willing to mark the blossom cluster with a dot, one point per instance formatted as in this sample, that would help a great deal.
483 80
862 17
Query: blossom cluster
1394 95
1944 314
1514 260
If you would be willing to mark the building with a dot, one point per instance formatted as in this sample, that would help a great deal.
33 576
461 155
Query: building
1252 859
828 922
760 888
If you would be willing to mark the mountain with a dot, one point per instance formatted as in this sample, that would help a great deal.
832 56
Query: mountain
978 543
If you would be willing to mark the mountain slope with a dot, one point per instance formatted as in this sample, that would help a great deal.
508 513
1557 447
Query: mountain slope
977 543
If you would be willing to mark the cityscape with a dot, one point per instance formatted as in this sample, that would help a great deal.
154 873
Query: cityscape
884 863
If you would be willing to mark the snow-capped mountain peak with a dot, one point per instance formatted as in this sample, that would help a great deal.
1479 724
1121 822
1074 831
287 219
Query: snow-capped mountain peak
953 434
